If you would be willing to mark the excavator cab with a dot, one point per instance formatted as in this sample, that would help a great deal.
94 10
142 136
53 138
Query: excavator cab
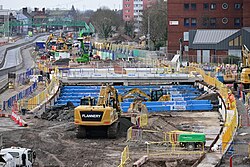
160 95
88 101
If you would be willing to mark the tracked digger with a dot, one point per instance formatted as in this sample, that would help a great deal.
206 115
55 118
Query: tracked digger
156 95
98 117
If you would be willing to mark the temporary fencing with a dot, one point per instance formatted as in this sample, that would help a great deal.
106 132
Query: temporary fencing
22 78
168 148
38 99
124 156
231 121
43 67
25 93
160 143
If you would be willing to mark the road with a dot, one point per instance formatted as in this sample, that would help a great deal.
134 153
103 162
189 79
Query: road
13 58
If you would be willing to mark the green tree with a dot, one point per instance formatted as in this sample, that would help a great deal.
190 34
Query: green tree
155 20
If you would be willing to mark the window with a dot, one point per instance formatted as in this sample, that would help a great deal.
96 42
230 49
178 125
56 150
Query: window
186 21
237 21
224 20
186 6
186 36
205 6
212 6
237 6
212 21
193 6
193 22
236 41
205 21
127 5
127 0
127 10
224 6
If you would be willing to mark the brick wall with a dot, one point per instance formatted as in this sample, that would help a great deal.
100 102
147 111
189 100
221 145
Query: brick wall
177 12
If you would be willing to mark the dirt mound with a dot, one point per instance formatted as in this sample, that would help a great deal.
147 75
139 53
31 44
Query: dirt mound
209 96
61 113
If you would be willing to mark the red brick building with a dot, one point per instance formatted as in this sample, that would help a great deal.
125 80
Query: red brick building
134 8
185 15
128 10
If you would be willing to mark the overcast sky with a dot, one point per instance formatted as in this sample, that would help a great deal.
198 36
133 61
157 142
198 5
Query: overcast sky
66 4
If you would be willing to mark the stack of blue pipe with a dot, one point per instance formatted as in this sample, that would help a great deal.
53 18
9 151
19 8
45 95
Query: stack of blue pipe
159 106
181 97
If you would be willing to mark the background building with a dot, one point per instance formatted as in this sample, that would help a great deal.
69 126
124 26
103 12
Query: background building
133 10
210 30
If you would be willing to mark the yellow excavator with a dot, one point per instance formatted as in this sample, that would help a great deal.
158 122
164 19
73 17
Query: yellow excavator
101 116
132 93
156 95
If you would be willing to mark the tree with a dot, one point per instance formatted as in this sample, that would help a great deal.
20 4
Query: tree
105 21
129 28
156 16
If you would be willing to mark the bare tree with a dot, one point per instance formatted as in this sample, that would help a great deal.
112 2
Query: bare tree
105 21
129 28
155 20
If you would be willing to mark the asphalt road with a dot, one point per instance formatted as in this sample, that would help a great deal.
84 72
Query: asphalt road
13 58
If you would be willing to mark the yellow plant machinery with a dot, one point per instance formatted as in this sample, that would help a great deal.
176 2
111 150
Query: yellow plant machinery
101 116
245 74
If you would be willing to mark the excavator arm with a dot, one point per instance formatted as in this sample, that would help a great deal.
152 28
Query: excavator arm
135 91
108 94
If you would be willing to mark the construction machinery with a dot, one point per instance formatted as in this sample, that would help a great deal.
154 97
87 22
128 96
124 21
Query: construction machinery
160 95
134 93
189 140
100 116
17 156
86 47
156 95
137 110
245 68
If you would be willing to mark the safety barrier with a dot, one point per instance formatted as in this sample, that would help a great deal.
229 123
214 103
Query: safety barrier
159 142
16 117
168 148
25 93
43 67
35 101
124 156
231 121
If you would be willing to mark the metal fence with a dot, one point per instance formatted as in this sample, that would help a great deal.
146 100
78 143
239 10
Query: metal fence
25 93
231 123
124 156
41 97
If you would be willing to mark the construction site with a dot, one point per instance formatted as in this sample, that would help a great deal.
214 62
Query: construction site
86 103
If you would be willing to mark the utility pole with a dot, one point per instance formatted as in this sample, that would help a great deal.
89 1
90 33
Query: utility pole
181 42
148 35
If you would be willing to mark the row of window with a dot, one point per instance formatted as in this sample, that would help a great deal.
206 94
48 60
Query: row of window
211 6
209 21
136 5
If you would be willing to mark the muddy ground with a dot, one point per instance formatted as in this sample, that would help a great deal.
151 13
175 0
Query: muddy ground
56 145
